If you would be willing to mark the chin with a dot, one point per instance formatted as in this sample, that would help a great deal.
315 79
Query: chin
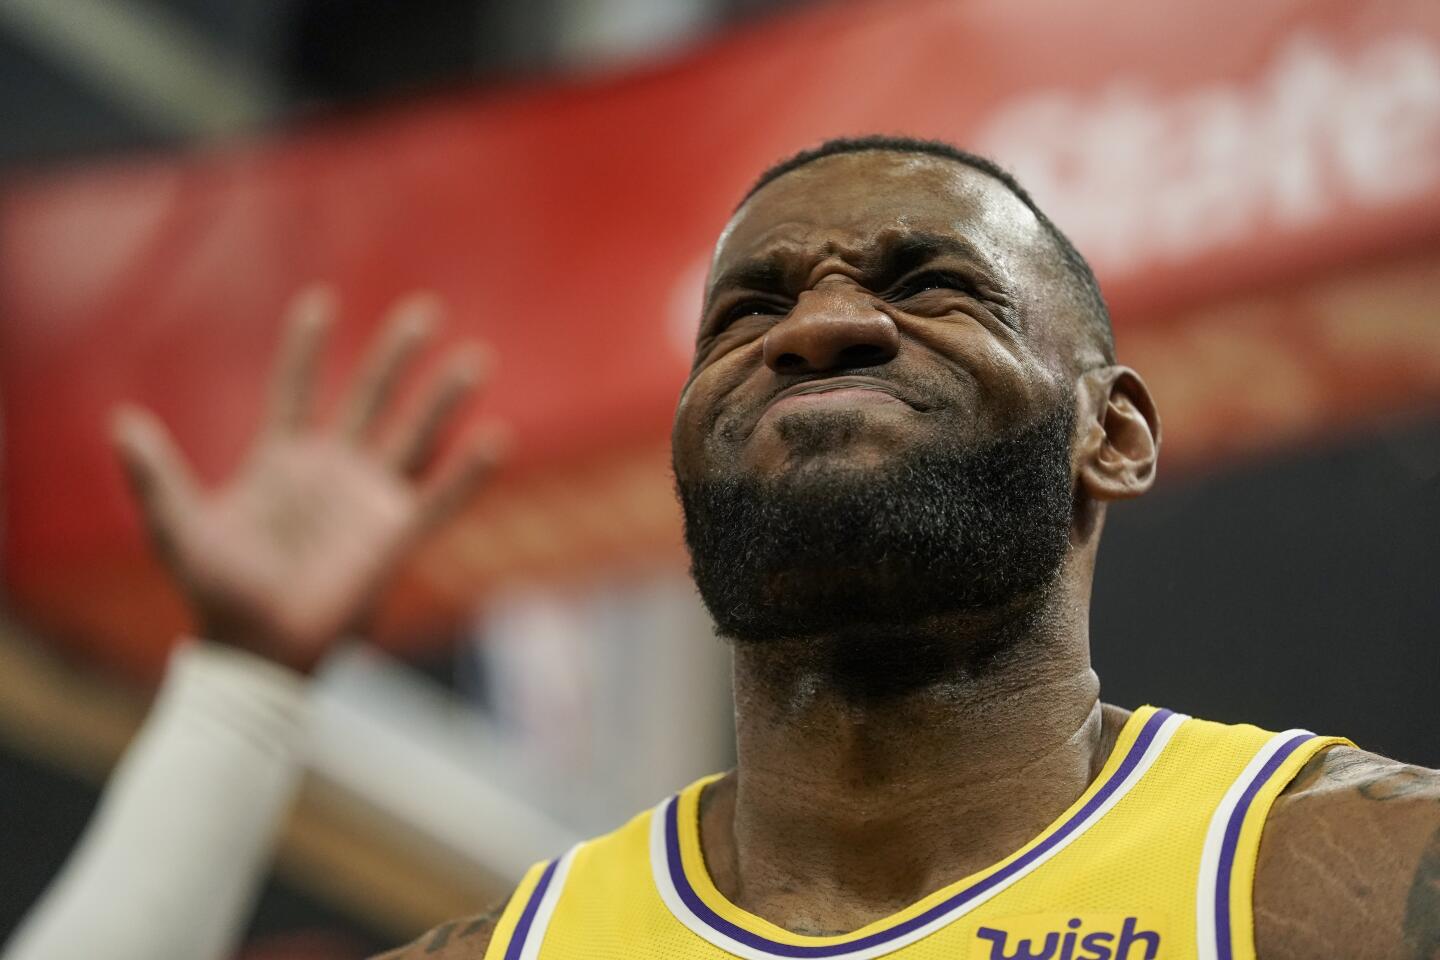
856 462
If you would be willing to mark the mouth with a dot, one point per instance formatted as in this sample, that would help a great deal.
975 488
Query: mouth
837 393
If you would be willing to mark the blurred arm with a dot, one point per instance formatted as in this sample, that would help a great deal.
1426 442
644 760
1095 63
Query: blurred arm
171 861
277 564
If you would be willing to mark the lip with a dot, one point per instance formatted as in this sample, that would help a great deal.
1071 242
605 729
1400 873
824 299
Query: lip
853 389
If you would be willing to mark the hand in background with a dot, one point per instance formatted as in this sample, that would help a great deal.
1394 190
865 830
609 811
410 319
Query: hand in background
291 552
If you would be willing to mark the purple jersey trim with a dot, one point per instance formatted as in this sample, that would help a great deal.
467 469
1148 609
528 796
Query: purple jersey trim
959 899
1224 948
527 916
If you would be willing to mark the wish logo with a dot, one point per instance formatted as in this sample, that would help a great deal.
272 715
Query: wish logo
1068 936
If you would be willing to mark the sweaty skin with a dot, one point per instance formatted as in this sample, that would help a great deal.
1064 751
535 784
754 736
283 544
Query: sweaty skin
842 810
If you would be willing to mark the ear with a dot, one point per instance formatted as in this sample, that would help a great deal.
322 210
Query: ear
1118 434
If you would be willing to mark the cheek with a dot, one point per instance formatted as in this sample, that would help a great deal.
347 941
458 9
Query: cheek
717 390
695 416
1007 381
683 431
1012 388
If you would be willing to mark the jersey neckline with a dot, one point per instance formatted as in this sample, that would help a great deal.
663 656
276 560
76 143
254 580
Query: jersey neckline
685 886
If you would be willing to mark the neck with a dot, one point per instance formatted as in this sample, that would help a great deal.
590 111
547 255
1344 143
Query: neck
866 796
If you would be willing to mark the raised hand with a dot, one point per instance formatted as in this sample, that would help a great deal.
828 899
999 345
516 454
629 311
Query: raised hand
291 552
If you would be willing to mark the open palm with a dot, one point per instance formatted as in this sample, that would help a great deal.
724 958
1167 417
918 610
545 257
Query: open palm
289 553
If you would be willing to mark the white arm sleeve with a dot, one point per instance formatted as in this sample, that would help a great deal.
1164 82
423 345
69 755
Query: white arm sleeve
171 861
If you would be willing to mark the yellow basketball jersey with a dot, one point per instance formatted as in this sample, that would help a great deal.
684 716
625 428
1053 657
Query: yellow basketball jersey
1155 861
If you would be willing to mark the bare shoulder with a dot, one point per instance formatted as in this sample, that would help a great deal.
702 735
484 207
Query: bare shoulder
465 939
1350 862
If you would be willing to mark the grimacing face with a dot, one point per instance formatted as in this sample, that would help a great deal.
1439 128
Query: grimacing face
906 300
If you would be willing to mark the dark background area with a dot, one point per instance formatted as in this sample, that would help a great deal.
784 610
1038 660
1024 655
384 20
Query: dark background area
310 57
1297 590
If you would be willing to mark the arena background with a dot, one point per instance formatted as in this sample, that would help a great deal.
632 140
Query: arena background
1257 184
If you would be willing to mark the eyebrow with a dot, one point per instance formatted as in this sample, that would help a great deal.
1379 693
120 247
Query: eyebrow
912 250
766 273
769 273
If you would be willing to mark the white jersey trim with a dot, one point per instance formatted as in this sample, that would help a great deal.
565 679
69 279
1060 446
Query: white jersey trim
1212 943
535 937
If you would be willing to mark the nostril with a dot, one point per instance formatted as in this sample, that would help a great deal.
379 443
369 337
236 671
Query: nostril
863 355
789 362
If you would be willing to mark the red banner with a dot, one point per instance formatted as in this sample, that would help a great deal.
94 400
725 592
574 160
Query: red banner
1205 156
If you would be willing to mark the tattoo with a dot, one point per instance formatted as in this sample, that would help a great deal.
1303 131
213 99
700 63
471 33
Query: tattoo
1332 765
1422 907
440 938
483 922
1374 778
479 924
1397 783
1343 764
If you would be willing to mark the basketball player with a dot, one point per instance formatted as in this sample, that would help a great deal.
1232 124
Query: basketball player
895 451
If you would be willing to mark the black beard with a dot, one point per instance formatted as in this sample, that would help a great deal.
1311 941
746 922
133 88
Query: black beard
978 534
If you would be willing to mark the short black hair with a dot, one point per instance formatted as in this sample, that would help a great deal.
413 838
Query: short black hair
1085 287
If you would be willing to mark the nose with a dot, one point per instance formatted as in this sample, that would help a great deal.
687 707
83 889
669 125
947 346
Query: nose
833 329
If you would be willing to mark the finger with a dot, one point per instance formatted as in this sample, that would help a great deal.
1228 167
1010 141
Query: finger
416 438
292 385
158 472
457 479
409 325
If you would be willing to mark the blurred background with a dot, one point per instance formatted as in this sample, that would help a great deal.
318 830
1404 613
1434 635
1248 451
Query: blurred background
1257 183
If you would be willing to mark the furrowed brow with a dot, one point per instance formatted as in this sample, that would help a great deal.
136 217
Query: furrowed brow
774 274
912 250
764 274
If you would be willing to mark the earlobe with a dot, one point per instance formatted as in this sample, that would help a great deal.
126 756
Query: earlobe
1120 438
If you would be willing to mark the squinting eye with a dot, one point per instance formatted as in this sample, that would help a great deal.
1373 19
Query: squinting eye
933 281
749 308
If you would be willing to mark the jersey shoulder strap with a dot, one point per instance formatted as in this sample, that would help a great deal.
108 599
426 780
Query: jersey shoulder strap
1224 907
599 893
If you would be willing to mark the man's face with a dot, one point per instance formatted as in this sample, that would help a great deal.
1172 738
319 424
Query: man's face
875 341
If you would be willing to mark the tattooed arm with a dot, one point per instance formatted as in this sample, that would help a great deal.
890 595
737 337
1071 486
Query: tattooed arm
1350 863
465 939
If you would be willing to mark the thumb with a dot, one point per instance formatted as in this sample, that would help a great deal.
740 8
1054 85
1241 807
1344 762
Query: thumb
158 473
